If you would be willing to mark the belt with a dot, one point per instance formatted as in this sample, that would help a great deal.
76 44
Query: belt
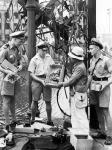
100 79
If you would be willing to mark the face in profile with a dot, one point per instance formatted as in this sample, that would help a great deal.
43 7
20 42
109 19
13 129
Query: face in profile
93 49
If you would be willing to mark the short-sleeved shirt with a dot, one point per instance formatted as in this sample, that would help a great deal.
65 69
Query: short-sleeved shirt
40 66
14 57
78 79
11 54
103 67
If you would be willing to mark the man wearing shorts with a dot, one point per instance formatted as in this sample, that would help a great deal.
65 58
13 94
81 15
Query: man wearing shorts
10 53
39 68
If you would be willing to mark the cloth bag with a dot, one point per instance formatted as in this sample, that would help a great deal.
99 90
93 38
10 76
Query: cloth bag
79 118
7 87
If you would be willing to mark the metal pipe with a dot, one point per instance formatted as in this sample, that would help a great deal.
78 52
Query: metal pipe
30 6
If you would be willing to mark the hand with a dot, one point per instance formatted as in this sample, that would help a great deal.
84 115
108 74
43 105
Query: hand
19 68
9 72
11 75
47 84
60 84
53 85
103 87
43 82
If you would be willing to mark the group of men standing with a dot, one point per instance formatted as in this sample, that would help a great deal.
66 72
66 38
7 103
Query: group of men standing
96 83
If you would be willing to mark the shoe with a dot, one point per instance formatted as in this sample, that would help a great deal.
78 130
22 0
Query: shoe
50 123
99 136
13 123
108 140
67 124
13 126
29 112
27 121
37 113
32 122
10 140
7 128
10 143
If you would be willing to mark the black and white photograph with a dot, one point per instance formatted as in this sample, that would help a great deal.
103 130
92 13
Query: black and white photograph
55 74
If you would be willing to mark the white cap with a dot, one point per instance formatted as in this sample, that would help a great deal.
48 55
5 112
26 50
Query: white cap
17 34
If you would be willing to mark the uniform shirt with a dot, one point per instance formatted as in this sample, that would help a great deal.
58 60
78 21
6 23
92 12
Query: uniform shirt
11 54
14 57
103 67
78 78
39 66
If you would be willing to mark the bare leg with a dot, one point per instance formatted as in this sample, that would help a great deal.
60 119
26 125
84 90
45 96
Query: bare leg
36 93
33 109
12 108
48 110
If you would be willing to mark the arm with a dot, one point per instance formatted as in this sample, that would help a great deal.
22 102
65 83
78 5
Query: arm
2 58
89 81
109 67
20 67
34 77
5 71
75 76
31 69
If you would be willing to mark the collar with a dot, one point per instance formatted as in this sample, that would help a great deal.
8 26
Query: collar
77 63
37 56
12 46
100 57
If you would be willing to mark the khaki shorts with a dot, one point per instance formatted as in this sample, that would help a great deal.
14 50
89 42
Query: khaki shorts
38 89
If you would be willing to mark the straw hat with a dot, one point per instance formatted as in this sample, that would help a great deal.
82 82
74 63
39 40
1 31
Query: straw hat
17 34
76 52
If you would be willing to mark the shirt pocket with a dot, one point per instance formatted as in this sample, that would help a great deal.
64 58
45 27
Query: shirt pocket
39 70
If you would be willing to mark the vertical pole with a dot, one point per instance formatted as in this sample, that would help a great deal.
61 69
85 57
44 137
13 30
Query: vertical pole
3 25
92 33
91 19
30 6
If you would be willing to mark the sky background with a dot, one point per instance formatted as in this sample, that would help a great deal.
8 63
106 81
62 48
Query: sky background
103 22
